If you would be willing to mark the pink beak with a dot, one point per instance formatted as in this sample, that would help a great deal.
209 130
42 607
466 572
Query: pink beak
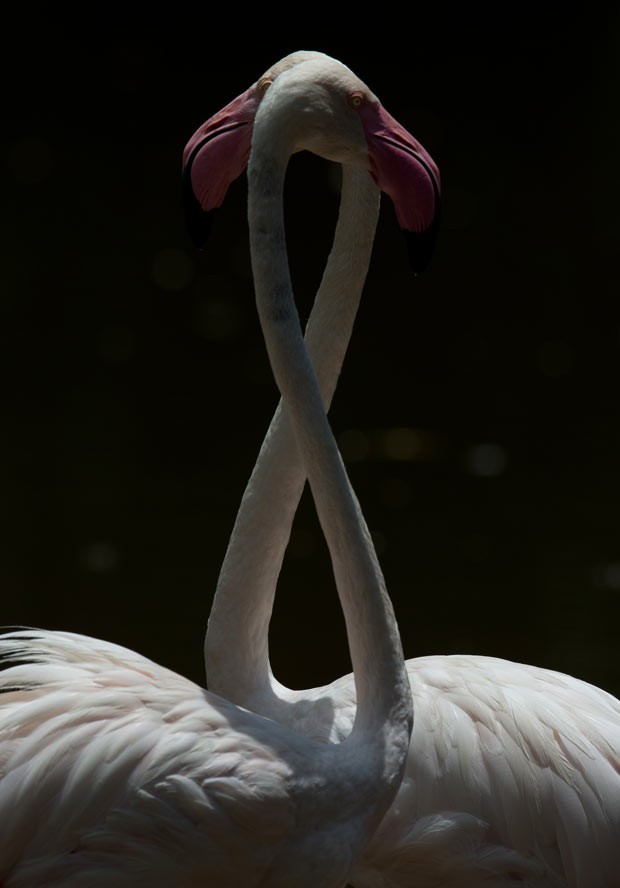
218 152
403 168
214 157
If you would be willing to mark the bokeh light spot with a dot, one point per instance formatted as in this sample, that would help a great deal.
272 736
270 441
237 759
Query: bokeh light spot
607 576
100 558
401 444
487 460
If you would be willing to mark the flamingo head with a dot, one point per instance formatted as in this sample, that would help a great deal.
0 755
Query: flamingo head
319 105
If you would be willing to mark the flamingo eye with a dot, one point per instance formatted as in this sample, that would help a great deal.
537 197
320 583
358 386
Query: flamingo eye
264 84
356 100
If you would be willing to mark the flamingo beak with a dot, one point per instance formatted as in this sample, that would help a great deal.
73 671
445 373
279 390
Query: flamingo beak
403 168
218 152
214 157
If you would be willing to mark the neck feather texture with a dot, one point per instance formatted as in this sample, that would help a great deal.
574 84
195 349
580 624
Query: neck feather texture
383 695
236 645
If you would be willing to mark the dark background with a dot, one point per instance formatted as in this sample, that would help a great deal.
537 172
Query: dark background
135 385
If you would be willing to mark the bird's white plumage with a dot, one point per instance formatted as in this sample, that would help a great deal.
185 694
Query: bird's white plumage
133 765
532 754
117 771
513 777
508 759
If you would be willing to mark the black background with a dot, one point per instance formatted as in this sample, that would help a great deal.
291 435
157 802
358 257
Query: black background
135 385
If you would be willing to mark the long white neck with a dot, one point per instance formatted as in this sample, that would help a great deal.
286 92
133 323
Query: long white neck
236 644
384 710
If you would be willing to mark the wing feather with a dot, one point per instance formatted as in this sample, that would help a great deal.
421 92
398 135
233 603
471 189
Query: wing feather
513 778
138 769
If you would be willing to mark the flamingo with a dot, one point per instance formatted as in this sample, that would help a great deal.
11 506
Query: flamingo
513 772
117 772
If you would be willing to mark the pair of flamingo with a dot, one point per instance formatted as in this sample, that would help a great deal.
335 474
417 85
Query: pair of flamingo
115 771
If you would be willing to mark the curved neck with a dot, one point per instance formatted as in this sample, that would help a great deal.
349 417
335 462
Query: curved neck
383 719
236 644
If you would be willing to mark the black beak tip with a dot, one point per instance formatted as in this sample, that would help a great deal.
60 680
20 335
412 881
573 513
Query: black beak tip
197 220
421 246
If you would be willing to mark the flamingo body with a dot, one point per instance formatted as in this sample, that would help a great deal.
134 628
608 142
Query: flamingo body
117 771
513 777
513 772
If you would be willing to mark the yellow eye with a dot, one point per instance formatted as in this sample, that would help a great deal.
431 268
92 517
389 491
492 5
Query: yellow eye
356 100
264 84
